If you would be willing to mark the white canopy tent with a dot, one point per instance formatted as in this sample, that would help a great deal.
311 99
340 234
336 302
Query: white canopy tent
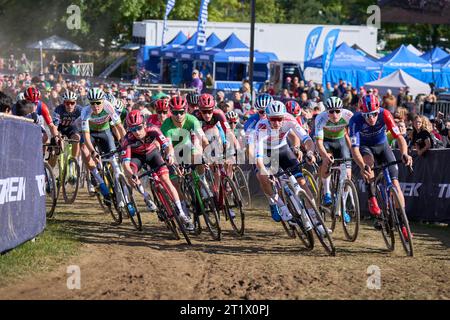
55 43
397 80
414 50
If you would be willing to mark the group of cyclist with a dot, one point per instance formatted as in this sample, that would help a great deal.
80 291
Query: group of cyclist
185 126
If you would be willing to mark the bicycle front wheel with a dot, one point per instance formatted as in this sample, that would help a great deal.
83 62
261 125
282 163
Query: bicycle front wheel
174 214
401 222
71 181
50 191
130 204
233 206
209 210
242 187
386 219
350 214
116 212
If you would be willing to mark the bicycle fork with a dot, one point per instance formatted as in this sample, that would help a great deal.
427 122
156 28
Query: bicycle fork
299 207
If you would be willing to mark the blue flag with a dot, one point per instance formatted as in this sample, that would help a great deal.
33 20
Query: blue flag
169 7
202 20
311 43
329 47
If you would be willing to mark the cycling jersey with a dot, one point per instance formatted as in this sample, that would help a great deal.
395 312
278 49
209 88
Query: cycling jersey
269 139
361 133
132 146
252 121
99 122
218 120
154 121
182 136
325 128
62 118
42 110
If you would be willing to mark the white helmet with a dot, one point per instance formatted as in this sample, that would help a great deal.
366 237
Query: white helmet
276 109
96 94
20 96
69 95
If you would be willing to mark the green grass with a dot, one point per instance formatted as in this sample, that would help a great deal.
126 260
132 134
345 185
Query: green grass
50 248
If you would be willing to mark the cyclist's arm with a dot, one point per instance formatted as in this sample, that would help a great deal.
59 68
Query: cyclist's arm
354 139
126 158
321 147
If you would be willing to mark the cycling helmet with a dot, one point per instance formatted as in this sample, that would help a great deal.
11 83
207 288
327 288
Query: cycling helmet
119 106
134 118
206 102
293 107
177 103
96 94
192 98
263 101
69 95
20 96
369 103
32 94
232 116
162 104
276 109
334 103
111 98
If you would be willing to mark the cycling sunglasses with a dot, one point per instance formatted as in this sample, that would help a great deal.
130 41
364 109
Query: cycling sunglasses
70 103
337 111
97 103
178 113
372 114
206 111
137 128
276 119
163 112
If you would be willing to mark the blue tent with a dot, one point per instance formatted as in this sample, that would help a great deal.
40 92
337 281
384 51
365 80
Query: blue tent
434 55
443 80
171 52
188 52
176 42
402 58
350 65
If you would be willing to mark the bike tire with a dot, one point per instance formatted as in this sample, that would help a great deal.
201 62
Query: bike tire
386 222
241 182
355 214
162 211
209 211
326 240
50 190
129 200
116 213
327 213
174 214
187 187
401 221
306 237
69 199
238 223
311 182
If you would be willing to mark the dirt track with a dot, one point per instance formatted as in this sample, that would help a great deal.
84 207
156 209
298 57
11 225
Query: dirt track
119 263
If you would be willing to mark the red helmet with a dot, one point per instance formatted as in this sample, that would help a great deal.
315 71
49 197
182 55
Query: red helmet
32 94
177 103
134 118
206 102
369 103
293 107
162 104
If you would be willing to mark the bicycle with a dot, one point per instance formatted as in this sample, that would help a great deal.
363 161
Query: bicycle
50 191
345 200
168 211
200 201
297 201
227 197
69 172
393 214
241 182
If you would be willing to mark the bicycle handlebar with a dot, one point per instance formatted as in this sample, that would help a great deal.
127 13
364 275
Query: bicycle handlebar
392 163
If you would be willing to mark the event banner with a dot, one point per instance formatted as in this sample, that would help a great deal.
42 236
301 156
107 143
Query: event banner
202 21
169 7
311 43
329 47
426 190
22 182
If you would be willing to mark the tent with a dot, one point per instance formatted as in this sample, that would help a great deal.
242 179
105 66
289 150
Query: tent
443 80
171 52
414 50
55 43
397 80
176 42
434 55
188 52
349 65
402 58
364 52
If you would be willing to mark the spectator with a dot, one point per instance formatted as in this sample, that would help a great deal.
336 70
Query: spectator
209 83
428 105
294 87
53 65
12 64
158 94
336 90
328 92
402 128
2 66
446 135
303 100
24 65
196 81
73 69
237 100
246 94
421 139
220 96
5 103
141 106
285 95
287 83
389 101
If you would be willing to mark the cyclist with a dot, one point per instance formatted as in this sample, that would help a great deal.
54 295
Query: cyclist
65 116
118 106
148 152
370 145
271 135
192 101
187 137
96 129
332 140
162 112
295 109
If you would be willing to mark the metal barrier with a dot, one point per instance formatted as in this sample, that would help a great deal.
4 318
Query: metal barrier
82 69
442 106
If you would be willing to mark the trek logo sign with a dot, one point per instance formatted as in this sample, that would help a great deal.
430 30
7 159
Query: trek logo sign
311 43
329 49
202 21
14 189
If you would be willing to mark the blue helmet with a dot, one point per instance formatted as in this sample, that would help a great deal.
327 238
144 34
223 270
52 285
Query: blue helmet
263 101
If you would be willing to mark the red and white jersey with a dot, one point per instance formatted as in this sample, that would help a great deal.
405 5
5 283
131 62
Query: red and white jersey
131 145
153 120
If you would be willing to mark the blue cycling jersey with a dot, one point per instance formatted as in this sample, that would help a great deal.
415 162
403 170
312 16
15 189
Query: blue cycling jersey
65 119
251 122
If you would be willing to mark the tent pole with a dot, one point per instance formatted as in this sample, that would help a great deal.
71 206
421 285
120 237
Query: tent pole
214 75
252 48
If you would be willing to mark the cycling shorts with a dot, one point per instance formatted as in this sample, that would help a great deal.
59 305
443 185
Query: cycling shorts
104 141
284 158
339 149
153 159
68 131
381 153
